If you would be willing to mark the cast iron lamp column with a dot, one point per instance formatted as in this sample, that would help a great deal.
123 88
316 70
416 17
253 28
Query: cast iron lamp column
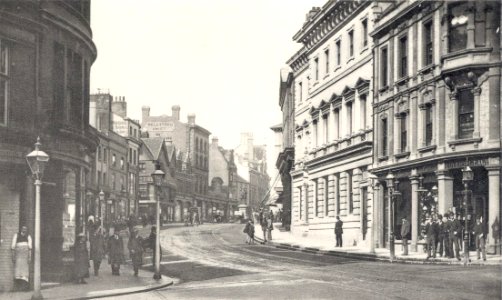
158 177
37 160
467 176
101 200
390 179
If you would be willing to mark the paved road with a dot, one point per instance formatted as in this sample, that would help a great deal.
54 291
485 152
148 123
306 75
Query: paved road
213 262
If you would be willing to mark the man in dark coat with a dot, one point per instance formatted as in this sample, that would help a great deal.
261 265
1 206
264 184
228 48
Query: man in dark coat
98 249
431 235
135 250
456 236
115 252
81 259
405 230
338 232
480 237
445 235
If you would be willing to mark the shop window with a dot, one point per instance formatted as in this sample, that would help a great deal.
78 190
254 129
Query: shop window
465 114
428 44
404 133
403 56
384 81
428 125
457 35
4 82
384 137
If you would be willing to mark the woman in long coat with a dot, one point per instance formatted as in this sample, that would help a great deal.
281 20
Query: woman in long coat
98 249
21 256
115 252
135 250
81 259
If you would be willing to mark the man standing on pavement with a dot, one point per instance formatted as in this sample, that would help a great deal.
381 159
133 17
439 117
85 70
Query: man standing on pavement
480 235
455 236
445 230
135 249
98 248
338 232
440 239
115 252
405 230
431 235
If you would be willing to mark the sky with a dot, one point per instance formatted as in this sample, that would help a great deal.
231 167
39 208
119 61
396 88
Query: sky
219 59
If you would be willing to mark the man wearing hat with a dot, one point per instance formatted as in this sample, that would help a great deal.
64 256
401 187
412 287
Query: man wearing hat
405 230
81 259
135 249
455 236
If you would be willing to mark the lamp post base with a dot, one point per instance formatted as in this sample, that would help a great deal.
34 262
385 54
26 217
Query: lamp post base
157 276
37 296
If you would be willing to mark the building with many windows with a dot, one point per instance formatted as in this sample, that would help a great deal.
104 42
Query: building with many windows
46 52
333 132
437 111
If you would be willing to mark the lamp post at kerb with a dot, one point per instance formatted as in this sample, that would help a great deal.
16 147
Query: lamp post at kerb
390 179
101 201
37 161
158 178
467 177
374 186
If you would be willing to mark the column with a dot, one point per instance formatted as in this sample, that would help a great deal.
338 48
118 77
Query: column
305 201
445 189
380 212
414 210
374 218
494 207
413 126
454 119
476 92
470 26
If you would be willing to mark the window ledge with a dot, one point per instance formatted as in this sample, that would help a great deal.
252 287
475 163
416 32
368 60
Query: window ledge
402 80
383 89
338 68
426 69
364 49
350 59
382 158
315 83
465 51
402 154
465 141
326 76
427 148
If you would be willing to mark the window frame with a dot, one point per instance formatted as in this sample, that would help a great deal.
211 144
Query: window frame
350 35
454 29
384 69
403 56
428 42
404 132
364 32
461 103
338 49
384 122
429 125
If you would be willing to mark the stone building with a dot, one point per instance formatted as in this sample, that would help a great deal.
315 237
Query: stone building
437 110
46 51
115 170
188 138
333 132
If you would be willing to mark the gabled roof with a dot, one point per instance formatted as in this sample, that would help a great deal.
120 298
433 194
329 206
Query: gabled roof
154 145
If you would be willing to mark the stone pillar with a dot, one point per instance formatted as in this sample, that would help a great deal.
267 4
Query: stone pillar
454 120
494 208
476 92
414 210
374 217
306 201
445 189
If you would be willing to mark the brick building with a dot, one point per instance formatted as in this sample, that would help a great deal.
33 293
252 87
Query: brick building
437 110
44 91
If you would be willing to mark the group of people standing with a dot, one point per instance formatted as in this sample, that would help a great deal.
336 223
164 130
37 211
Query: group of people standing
443 236
266 222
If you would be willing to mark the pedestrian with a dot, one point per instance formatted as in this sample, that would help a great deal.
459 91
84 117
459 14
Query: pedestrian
270 227
445 230
480 237
98 248
455 236
115 252
152 241
264 228
405 230
249 229
135 249
21 257
440 239
431 235
81 259
271 215
338 232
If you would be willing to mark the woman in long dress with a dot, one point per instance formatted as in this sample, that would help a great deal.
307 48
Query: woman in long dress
21 256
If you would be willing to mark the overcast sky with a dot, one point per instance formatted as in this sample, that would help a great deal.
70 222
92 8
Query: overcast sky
219 59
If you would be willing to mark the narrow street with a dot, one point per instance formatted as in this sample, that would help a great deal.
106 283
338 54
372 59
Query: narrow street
212 261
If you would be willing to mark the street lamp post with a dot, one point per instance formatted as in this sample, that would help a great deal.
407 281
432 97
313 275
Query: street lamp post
37 160
467 176
158 177
374 185
101 201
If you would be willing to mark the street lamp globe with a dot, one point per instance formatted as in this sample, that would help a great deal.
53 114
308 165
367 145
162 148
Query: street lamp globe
390 180
158 177
101 195
467 174
37 160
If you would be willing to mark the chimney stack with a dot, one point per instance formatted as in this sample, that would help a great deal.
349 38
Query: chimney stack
191 119
215 141
176 112
145 113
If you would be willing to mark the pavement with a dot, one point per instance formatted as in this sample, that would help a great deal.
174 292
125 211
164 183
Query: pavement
285 240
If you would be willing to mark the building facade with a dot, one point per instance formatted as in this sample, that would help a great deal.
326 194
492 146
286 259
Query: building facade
333 146
437 110
44 91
